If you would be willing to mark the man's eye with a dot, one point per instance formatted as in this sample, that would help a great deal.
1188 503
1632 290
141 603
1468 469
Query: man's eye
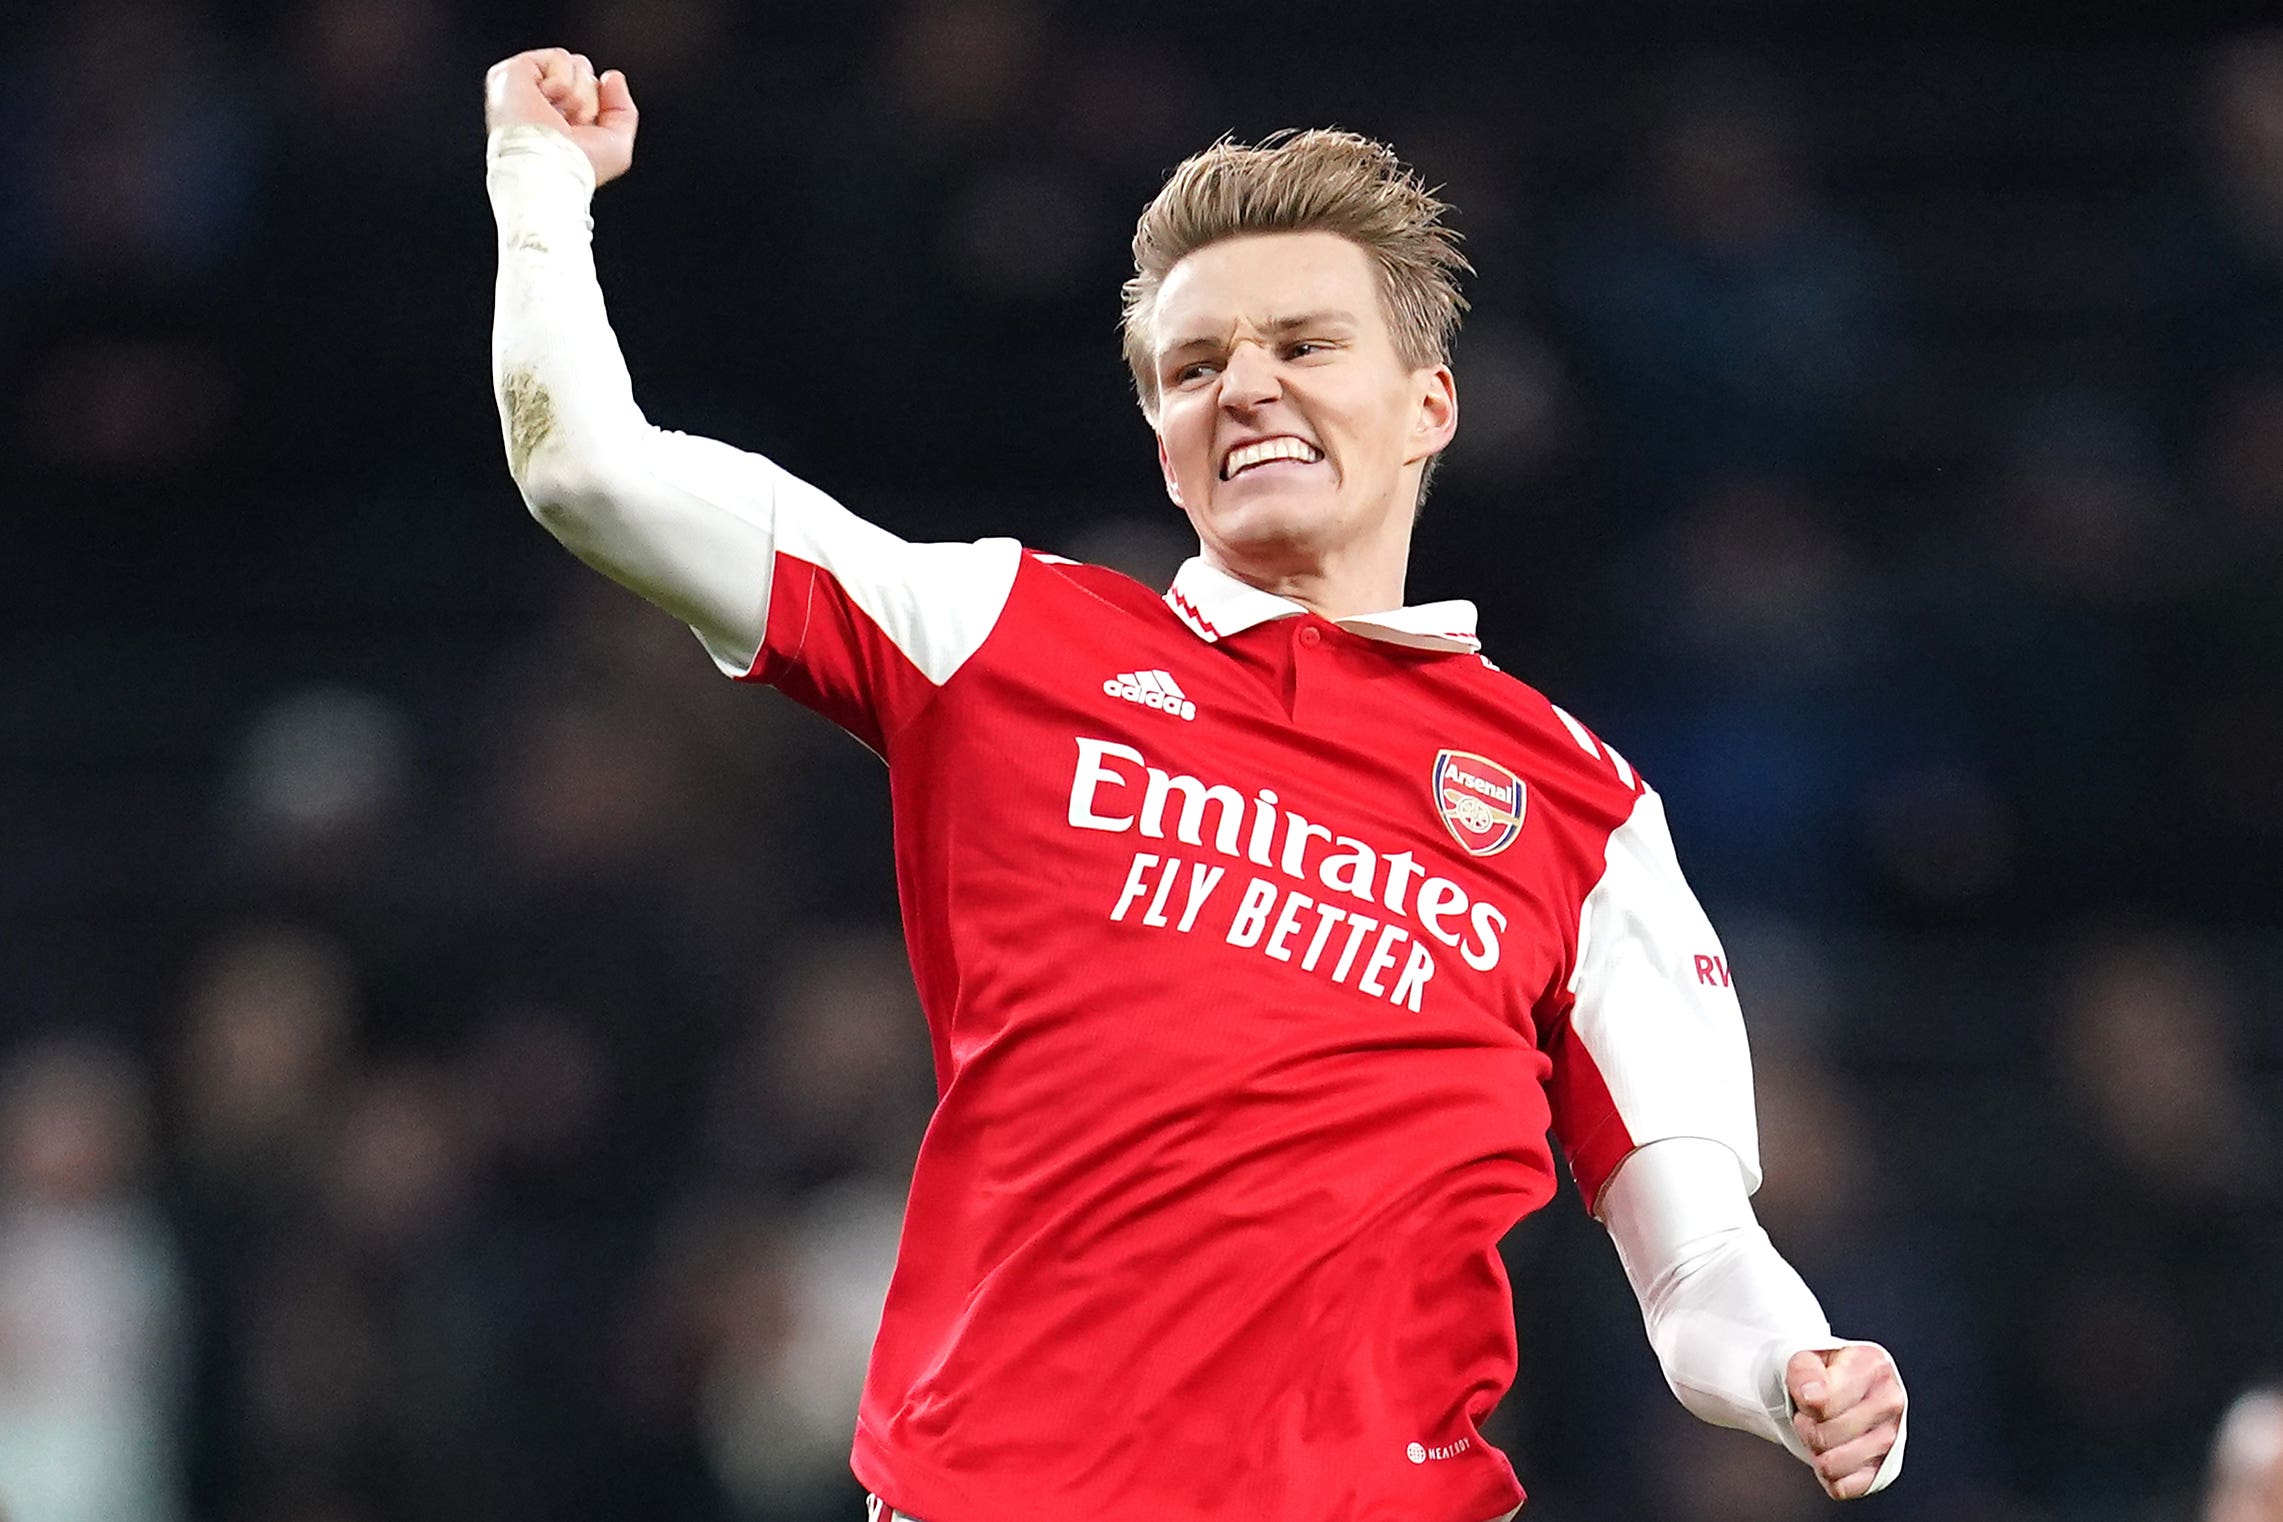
1196 371
1303 348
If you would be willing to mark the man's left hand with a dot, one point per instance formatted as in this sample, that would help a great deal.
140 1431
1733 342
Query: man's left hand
1850 1413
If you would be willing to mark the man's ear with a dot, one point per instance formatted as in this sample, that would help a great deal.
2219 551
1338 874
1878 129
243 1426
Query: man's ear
1172 484
1437 420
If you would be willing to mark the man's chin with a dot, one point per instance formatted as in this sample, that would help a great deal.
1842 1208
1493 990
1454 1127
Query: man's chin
1281 525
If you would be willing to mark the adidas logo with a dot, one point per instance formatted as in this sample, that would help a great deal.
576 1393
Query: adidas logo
1152 689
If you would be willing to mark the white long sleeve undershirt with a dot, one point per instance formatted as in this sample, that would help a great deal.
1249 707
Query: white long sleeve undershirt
686 522
1723 1310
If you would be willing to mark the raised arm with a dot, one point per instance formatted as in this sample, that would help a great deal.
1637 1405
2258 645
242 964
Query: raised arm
778 580
688 523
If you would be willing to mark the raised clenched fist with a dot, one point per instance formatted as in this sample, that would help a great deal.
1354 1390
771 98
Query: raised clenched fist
553 87
1850 1408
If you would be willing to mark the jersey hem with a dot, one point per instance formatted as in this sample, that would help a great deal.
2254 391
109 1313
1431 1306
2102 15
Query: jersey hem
940 1498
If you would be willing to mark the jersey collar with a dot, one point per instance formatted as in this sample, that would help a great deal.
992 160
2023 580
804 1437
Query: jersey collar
1215 605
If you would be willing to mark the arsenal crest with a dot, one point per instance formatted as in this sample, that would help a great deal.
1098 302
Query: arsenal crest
1481 802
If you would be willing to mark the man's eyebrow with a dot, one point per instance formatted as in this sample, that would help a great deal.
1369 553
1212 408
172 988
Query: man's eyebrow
1324 319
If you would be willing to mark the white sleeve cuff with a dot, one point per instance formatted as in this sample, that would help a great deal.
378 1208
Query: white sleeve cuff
525 141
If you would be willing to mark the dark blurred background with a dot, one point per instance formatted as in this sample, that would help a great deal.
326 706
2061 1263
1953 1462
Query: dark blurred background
456 1060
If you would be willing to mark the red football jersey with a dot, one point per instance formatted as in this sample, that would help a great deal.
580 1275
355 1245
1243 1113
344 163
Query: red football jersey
1258 951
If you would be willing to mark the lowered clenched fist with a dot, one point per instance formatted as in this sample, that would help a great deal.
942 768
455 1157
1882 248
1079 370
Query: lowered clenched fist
552 87
1850 1410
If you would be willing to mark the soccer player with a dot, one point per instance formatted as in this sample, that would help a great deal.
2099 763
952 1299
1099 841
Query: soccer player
1262 925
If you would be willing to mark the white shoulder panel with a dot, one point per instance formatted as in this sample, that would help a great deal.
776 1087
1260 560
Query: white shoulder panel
1654 1007
937 602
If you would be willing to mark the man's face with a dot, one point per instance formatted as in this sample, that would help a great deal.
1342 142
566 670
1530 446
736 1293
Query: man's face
1288 427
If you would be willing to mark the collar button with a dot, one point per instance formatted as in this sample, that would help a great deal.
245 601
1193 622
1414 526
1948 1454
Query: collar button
1311 636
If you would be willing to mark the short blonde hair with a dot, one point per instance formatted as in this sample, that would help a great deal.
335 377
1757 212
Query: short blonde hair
1321 180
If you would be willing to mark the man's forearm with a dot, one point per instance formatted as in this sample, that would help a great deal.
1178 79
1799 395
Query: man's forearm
685 522
1724 1311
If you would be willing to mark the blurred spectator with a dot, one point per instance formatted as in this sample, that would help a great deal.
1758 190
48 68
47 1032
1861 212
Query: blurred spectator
823 1107
2153 1062
952 66
1522 407
106 406
272 1013
786 1341
832 1079
2245 101
2247 1461
2222 697
270 1020
2239 470
320 788
131 176
1731 321
2040 632
1129 97
91 1306
133 158
2221 272
667 49
1746 634
370 142
711 1307
2143 1284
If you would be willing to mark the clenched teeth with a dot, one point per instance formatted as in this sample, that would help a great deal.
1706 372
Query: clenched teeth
1285 447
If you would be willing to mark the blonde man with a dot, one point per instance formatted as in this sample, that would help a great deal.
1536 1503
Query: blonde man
1262 925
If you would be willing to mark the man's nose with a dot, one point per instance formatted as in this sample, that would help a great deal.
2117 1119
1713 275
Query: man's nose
1250 378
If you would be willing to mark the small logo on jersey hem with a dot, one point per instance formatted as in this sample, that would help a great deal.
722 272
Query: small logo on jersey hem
1420 1453
1481 802
1152 689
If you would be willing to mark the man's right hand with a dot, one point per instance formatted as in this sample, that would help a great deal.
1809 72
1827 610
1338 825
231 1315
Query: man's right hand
553 87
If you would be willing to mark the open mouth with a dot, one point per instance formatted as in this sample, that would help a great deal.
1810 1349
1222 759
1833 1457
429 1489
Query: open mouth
1284 448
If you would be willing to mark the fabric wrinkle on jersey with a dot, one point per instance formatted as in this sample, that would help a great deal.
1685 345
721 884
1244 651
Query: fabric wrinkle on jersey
1246 1042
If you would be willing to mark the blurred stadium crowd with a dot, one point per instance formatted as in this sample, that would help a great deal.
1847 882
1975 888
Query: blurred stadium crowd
456 1059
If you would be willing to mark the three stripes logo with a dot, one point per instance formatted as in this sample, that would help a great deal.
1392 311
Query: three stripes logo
1152 689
